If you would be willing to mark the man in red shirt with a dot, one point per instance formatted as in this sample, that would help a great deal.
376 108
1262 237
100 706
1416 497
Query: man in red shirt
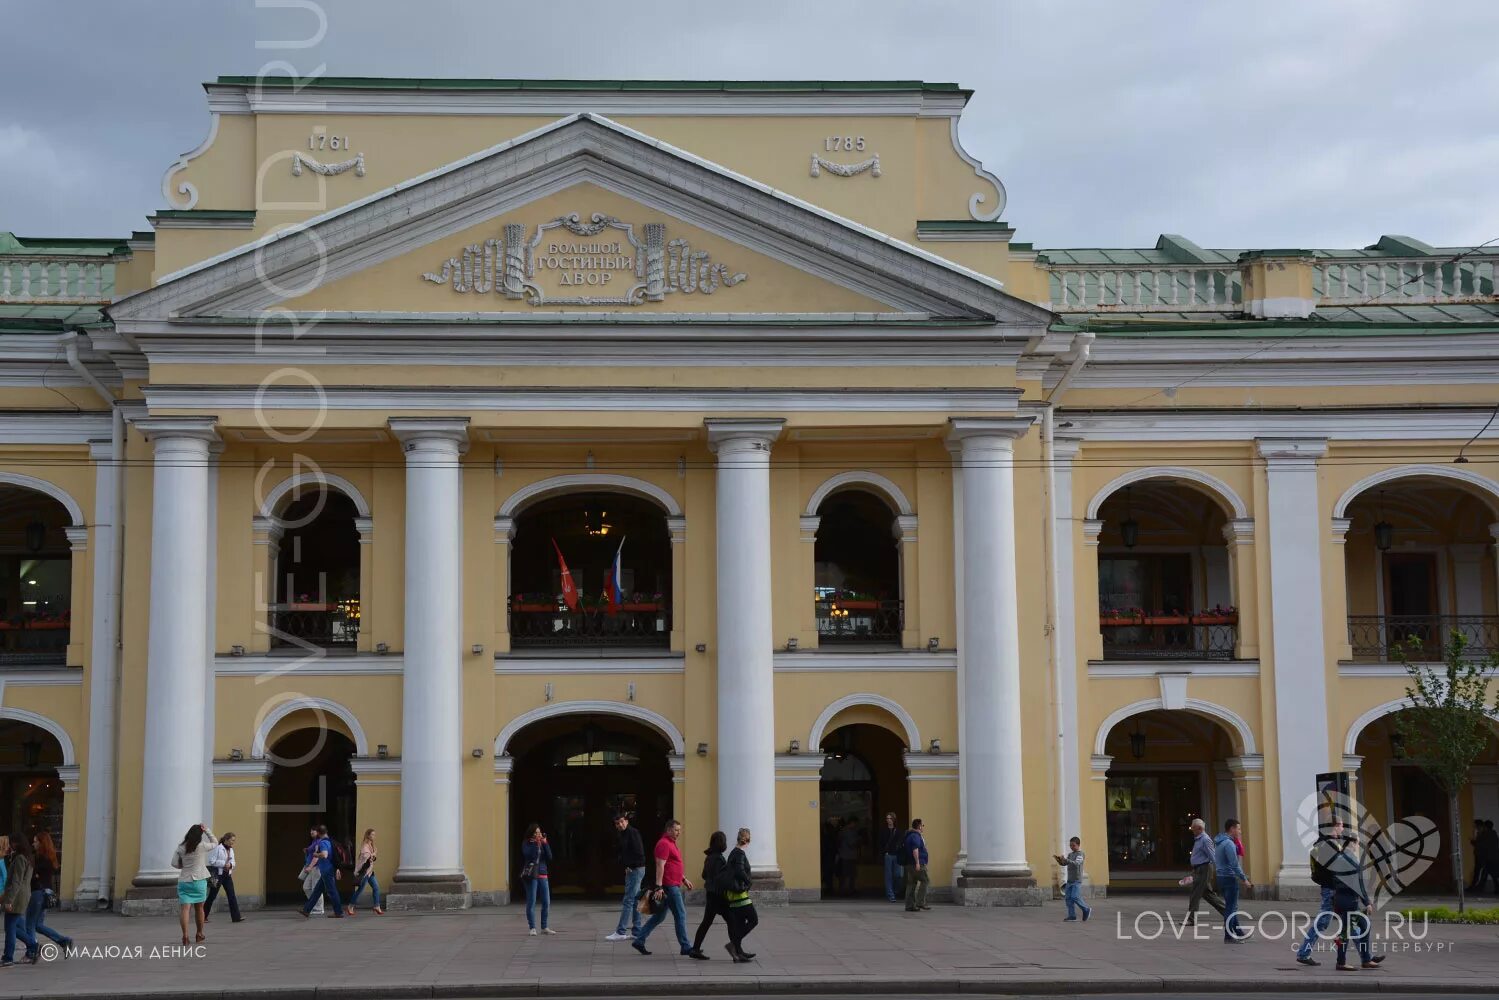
670 881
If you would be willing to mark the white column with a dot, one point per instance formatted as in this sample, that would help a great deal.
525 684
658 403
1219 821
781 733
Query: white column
992 750
210 630
746 683
432 681
955 450
176 681
1064 626
1297 638
104 670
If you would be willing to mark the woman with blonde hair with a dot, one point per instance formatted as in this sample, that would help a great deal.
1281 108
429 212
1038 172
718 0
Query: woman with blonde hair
43 885
364 872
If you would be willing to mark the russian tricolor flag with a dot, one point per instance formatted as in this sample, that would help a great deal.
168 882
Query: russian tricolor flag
614 582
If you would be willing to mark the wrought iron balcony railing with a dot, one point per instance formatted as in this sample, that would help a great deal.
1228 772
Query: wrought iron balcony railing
1426 636
546 625
853 620
1189 640
43 644
326 626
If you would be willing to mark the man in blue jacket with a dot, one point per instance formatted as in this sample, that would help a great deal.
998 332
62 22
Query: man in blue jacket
1230 874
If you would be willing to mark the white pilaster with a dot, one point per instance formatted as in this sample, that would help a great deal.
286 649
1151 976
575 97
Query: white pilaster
1297 637
432 682
1064 625
210 629
992 749
176 678
104 669
746 696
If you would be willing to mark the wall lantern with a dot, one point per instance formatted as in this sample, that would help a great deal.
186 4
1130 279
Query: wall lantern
791 644
1129 528
236 754
382 751
1384 531
795 747
36 536
1137 743
594 522
702 749
1397 745
31 752
936 746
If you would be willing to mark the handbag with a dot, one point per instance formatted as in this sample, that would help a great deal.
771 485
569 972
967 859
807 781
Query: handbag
528 870
647 903
311 877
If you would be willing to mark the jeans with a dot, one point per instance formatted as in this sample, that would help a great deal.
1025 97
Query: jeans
36 912
373 883
1072 895
16 927
1319 924
327 888
226 885
1229 887
629 910
1353 924
538 887
917 881
892 876
673 900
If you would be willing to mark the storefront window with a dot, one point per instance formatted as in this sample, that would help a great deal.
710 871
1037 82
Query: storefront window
1148 820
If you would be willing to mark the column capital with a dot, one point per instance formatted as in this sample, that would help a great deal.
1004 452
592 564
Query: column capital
809 525
162 429
1100 763
504 530
904 528
413 430
366 528
1065 449
101 450
1353 762
69 774
968 429
1291 451
1249 766
1239 531
267 530
77 537
758 433
676 526
1092 528
1340 526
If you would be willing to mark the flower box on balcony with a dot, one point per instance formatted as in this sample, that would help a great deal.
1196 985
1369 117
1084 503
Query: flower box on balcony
528 606
1216 619
857 605
1167 620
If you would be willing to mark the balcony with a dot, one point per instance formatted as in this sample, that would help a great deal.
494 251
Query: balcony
321 626
851 620
551 624
1170 637
34 643
1374 637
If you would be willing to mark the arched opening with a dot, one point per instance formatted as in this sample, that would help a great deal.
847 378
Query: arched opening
311 783
614 549
36 578
1165 588
1168 768
863 777
1392 786
1419 565
573 774
857 570
316 602
31 795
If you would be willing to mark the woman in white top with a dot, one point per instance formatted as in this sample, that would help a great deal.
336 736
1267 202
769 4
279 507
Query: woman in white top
221 877
191 859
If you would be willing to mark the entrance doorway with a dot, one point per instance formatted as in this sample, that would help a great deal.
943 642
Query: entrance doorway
30 789
572 775
863 778
312 783
1416 794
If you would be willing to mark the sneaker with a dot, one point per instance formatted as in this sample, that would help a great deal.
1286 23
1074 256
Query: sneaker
639 946
547 930
532 932
616 936
1087 912
1308 960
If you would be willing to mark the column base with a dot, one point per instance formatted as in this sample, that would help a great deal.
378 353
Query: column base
768 888
446 893
1295 883
1010 889
153 899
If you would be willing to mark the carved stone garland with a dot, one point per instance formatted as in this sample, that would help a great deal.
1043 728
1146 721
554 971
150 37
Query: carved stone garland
846 169
298 161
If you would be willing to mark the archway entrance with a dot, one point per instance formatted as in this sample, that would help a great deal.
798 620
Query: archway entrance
30 789
36 578
572 774
863 778
312 782
1169 767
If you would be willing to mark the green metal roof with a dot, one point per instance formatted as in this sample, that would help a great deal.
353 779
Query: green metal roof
203 213
468 83
1328 321
37 318
76 247
1173 249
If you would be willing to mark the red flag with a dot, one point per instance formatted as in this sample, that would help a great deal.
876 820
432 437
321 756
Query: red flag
569 591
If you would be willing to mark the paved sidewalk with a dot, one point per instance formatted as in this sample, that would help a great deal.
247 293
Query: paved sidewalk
830 947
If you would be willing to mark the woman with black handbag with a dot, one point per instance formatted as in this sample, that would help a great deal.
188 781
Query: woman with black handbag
742 917
536 854
714 905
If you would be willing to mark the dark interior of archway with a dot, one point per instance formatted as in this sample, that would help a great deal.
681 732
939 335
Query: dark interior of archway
588 529
36 577
572 775
863 778
30 790
312 782
855 551
318 561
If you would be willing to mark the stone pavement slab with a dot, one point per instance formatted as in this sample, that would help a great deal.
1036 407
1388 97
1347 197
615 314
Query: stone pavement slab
872 948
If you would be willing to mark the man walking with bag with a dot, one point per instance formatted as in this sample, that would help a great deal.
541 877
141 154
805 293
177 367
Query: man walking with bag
670 881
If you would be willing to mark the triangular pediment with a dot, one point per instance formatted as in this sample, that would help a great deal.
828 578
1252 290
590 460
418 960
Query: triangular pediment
539 221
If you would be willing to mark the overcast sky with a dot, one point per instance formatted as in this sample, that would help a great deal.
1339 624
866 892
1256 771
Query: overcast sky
1283 123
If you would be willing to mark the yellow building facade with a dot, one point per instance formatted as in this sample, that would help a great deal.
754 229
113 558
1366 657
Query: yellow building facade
456 455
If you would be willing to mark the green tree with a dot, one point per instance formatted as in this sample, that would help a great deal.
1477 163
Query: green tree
1447 724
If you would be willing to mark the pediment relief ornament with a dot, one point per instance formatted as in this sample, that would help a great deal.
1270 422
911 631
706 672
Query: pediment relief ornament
552 270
